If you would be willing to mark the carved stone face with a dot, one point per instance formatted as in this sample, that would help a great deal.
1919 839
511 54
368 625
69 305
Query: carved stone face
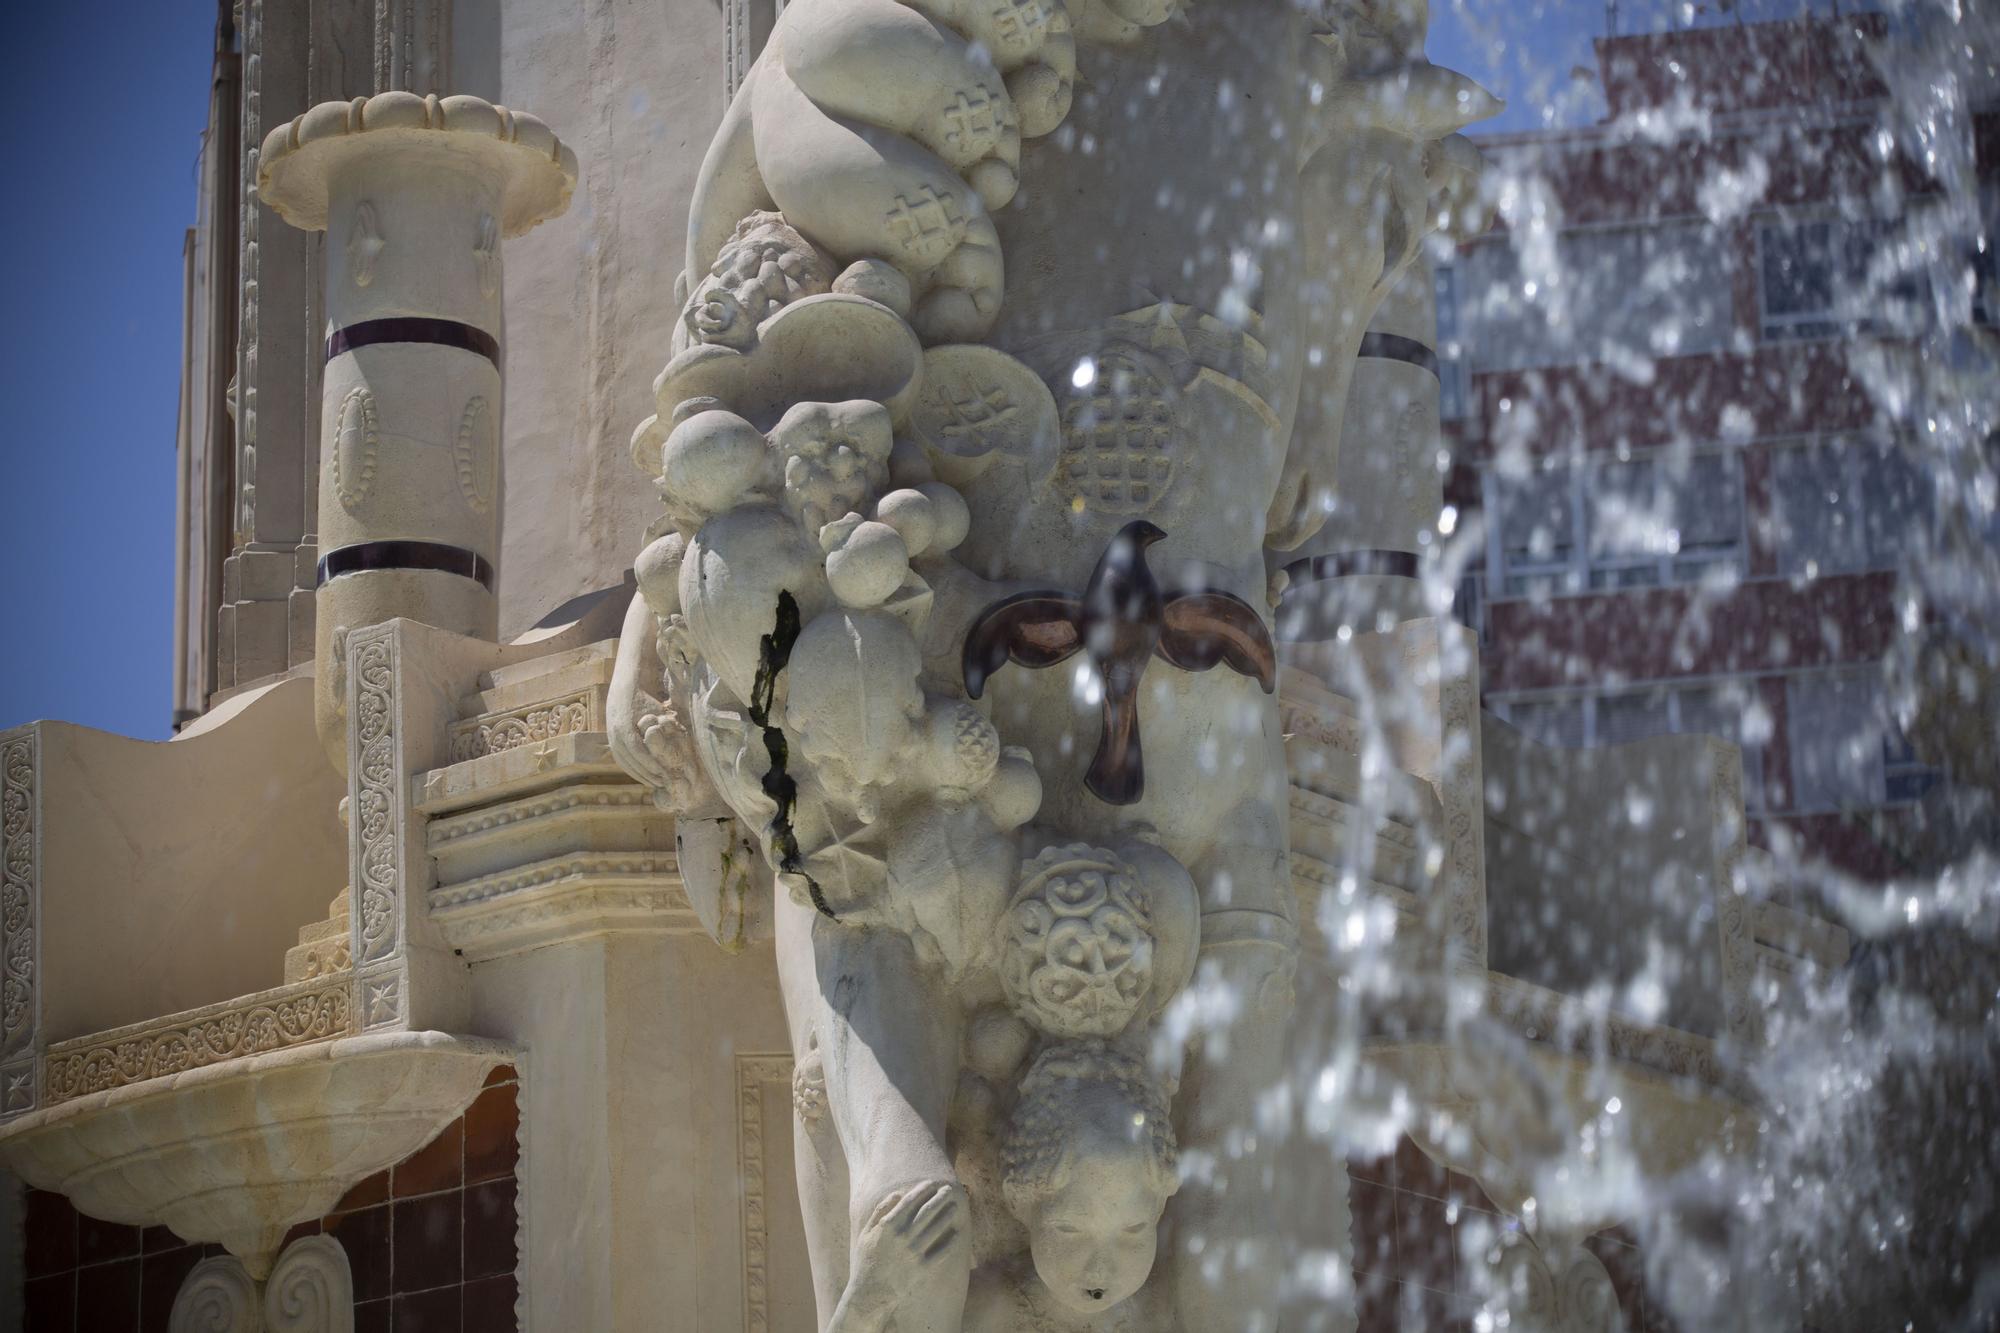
1094 1239
765 265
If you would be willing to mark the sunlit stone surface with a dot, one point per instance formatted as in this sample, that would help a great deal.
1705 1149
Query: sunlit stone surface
1218 701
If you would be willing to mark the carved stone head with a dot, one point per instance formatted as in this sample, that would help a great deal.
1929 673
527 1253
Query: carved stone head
765 265
1088 1163
1077 943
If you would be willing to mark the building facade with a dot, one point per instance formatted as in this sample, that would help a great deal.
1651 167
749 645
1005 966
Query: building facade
388 995
1667 423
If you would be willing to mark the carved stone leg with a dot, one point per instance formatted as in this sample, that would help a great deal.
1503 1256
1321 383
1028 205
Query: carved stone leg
821 1163
889 1041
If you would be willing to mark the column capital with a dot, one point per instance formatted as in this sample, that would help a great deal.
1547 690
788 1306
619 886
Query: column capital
300 158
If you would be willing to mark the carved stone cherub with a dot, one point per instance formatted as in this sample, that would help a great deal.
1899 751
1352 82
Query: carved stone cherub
1088 1163
1189 373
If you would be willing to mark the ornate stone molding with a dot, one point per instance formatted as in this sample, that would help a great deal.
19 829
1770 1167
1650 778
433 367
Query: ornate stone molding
491 733
412 45
272 1020
251 34
737 56
377 800
754 1073
217 1296
20 905
452 834
311 1289
582 893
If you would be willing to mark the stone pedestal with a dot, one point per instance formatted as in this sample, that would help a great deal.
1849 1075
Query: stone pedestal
415 194
656 1179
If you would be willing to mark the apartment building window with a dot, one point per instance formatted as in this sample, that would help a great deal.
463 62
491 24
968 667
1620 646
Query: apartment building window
1616 523
1833 277
1846 506
1846 753
1587 720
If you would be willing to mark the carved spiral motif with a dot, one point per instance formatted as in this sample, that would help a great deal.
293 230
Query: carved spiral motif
311 1290
356 445
1588 1301
217 1297
1077 946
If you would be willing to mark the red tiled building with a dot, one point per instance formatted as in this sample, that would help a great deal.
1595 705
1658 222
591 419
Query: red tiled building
1659 397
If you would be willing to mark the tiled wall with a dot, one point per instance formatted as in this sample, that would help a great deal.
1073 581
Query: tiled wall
1408 1267
430 1242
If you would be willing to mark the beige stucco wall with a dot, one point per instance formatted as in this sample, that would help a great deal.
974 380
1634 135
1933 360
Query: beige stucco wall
176 874
637 90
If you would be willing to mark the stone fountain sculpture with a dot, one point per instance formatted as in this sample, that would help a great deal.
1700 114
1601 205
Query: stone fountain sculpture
1015 333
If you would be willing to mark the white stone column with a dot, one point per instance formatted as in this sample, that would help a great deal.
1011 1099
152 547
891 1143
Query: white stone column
1366 561
415 194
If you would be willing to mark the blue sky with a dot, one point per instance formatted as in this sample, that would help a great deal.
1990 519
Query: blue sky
104 109
90 350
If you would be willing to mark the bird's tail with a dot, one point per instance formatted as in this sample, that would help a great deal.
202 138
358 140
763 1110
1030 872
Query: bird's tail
1117 774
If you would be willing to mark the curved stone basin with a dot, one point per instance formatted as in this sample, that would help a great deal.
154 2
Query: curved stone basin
240 1152
1529 1085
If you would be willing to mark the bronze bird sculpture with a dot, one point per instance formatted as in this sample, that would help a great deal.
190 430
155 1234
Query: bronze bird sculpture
1122 620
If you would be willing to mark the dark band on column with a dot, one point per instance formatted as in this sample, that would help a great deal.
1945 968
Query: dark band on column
1395 347
363 556
414 329
1348 564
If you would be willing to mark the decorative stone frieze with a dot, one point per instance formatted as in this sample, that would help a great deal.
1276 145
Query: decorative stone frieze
377 801
491 733
20 906
294 1015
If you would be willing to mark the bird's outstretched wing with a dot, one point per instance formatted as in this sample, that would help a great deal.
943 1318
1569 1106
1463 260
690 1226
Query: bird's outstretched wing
1035 629
1200 629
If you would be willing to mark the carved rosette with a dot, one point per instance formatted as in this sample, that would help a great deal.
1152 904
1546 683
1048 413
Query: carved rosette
1077 951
